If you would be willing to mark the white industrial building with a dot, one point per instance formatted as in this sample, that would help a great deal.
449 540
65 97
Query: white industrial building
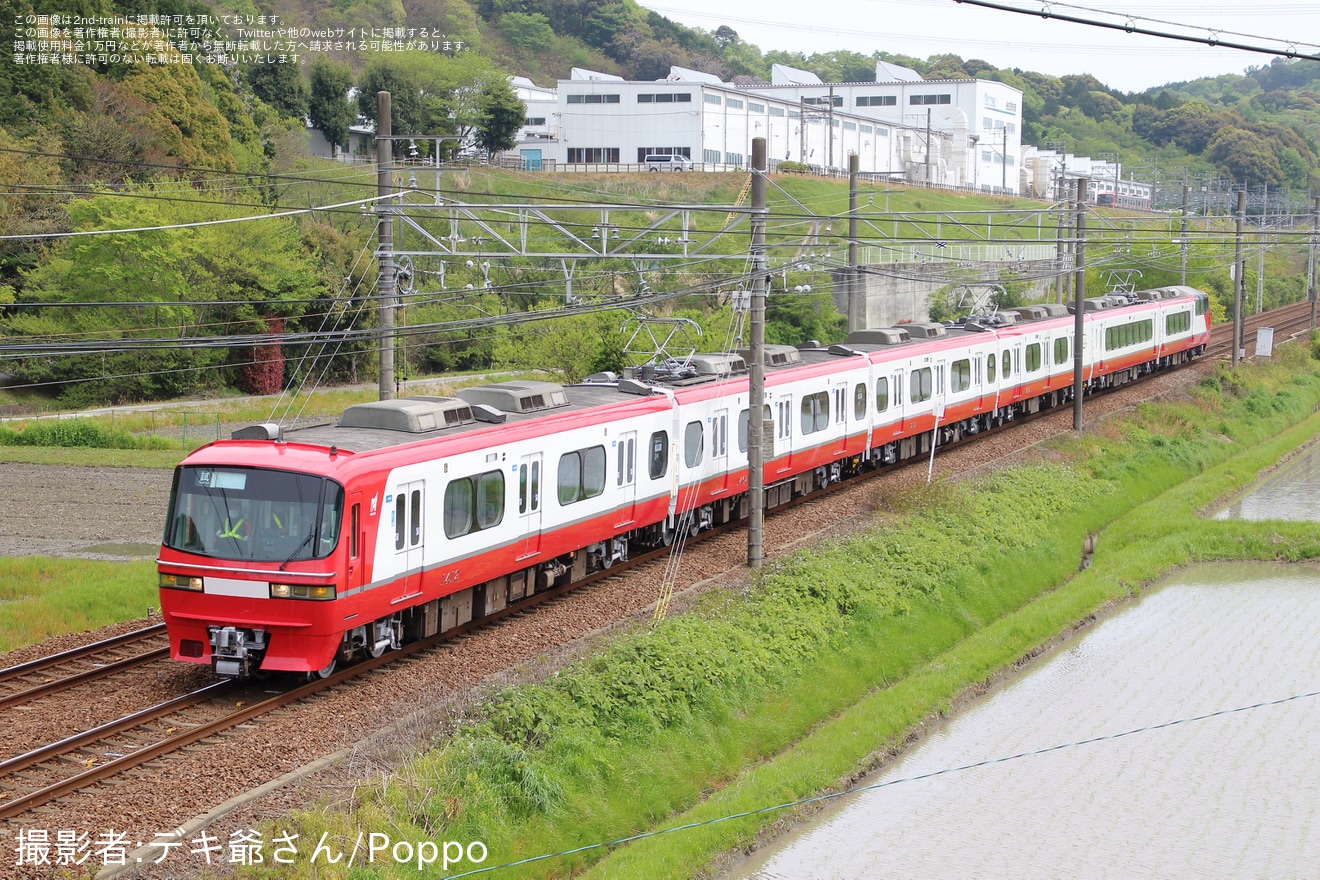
953 133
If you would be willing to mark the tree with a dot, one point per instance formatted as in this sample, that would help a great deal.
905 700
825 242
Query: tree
502 115
280 85
1244 156
530 32
725 36
328 107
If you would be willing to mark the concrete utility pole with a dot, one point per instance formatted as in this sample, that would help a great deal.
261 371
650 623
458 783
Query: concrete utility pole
1239 274
927 181
856 291
1079 310
756 428
1182 277
1061 244
385 249
1003 166
1312 269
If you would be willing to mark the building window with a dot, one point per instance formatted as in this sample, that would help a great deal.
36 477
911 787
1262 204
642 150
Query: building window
793 114
930 99
710 157
581 155
534 120
643 152
755 108
776 111
664 98
866 129
877 101
733 103
712 99
824 102
849 126
881 132
733 159
593 99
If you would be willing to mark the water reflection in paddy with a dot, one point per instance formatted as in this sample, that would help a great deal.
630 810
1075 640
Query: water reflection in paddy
1234 795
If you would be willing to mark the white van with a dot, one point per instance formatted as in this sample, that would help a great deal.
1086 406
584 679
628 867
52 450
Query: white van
667 162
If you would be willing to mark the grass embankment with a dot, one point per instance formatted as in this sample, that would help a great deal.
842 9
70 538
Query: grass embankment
786 689
42 597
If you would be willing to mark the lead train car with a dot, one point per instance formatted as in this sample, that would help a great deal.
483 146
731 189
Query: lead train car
412 516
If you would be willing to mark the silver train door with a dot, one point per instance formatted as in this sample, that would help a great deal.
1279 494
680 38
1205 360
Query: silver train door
531 476
409 531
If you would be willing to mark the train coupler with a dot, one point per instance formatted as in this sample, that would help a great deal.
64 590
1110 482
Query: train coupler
236 653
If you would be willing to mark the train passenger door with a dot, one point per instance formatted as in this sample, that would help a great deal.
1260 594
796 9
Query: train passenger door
841 402
408 537
783 434
529 504
718 466
626 480
356 540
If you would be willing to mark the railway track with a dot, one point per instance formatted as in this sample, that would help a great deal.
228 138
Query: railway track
48 675
1288 322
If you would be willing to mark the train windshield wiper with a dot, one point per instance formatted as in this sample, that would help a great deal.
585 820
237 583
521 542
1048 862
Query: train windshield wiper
305 541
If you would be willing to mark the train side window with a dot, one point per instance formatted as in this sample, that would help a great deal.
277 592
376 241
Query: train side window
355 512
458 508
719 434
921 387
659 457
1007 364
961 373
815 412
522 488
593 471
743 419
694 437
570 477
990 368
536 485
581 474
859 401
415 537
1033 357
490 499
1061 350
882 394
400 520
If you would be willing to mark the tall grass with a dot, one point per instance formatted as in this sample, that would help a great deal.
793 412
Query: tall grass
41 597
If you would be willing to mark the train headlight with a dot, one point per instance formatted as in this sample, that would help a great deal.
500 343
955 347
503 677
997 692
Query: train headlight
302 591
180 582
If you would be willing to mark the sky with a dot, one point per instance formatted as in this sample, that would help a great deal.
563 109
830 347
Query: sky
921 28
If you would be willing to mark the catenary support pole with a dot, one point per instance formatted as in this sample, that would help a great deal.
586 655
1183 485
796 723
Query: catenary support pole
1182 236
1079 310
1238 273
385 249
756 432
856 290
1313 273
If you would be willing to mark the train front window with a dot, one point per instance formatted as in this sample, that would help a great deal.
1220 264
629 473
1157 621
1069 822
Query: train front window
253 514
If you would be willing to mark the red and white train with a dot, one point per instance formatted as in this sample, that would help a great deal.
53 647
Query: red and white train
413 516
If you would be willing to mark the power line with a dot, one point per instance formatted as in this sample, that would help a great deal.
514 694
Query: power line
1129 26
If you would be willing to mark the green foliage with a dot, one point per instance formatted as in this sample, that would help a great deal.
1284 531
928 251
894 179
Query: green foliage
530 32
188 283
280 84
77 432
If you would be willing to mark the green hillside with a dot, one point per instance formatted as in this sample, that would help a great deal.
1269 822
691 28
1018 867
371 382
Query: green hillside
215 131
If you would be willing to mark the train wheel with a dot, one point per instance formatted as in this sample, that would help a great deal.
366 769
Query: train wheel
666 534
322 673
